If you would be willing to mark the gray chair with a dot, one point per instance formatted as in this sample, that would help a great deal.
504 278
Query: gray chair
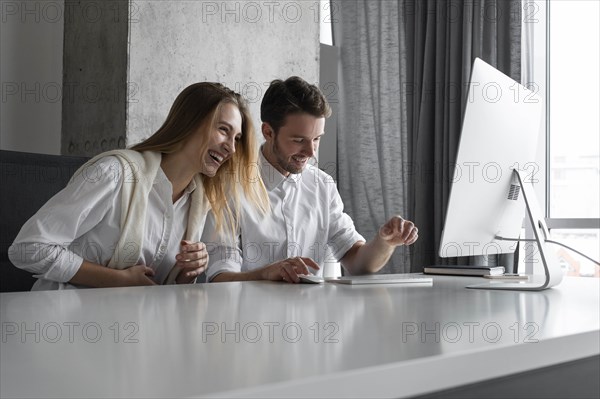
28 181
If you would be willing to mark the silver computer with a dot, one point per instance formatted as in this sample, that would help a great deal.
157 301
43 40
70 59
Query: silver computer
491 187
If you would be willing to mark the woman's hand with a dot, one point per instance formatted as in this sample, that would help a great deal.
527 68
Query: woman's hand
193 261
95 275
137 275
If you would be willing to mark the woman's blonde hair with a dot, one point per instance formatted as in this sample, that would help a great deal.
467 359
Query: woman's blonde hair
197 107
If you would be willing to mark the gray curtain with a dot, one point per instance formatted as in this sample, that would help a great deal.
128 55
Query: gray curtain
404 70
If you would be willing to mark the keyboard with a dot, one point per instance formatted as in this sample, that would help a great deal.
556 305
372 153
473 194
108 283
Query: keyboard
384 279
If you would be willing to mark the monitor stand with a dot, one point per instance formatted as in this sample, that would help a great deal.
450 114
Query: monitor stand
552 271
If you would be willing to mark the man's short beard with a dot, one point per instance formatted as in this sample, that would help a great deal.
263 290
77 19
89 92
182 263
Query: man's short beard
283 163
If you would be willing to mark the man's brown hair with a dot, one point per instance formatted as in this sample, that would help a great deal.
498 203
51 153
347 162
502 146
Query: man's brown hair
292 96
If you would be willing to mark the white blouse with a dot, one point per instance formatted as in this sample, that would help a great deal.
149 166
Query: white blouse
83 222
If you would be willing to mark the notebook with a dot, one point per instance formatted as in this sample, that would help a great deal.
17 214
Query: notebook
464 270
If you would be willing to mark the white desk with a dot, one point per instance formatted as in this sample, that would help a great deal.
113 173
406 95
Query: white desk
370 341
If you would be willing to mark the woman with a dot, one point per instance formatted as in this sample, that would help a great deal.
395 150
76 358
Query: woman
135 217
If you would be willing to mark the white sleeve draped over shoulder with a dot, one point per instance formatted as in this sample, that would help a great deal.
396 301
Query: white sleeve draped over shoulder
109 194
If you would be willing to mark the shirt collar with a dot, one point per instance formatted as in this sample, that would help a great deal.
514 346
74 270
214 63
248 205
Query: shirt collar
162 177
190 187
271 176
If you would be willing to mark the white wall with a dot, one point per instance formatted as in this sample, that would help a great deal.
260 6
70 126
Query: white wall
243 45
172 44
31 41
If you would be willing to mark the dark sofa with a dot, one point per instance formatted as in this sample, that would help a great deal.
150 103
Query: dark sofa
28 181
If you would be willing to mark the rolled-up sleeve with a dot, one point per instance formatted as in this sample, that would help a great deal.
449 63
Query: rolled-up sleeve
45 244
342 233
224 252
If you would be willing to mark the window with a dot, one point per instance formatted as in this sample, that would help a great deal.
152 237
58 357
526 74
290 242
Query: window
574 101
567 73
325 18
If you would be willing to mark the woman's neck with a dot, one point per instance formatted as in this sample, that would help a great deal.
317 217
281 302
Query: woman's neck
178 172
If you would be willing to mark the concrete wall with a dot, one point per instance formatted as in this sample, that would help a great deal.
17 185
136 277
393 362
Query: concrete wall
243 45
94 76
31 41
328 82
111 98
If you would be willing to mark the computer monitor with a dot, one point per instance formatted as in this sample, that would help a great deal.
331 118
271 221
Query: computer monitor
495 166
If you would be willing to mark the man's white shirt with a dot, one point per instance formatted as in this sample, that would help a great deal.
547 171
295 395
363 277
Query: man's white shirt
307 219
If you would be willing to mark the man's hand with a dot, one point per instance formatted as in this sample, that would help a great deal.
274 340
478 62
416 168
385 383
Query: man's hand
398 231
193 260
288 269
136 275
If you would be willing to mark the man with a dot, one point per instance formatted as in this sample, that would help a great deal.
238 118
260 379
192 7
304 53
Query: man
306 225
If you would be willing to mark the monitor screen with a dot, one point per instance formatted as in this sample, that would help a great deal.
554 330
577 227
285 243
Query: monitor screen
500 131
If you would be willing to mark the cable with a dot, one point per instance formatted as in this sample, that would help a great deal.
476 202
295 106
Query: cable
550 241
